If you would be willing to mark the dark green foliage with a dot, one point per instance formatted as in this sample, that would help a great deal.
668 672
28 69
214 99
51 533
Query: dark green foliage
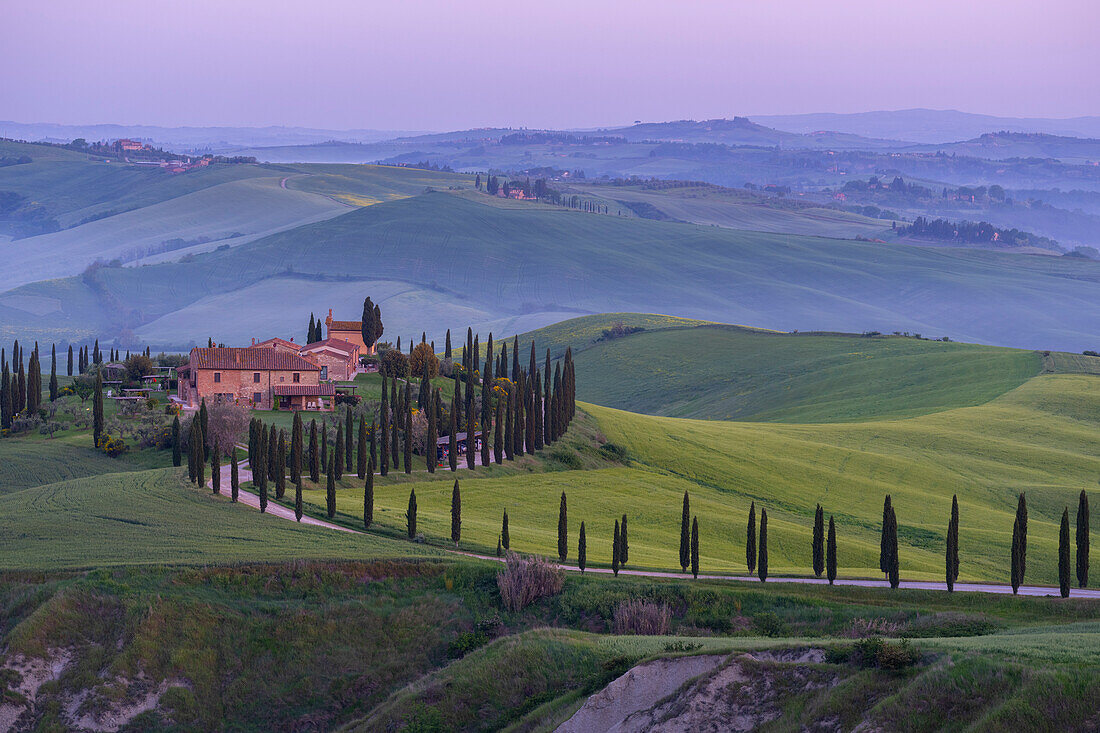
384 417
296 449
234 475
1019 545
97 409
563 530
582 549
883 553
830 552
456 514
447 353
498 435
69 369
695 547
750 539
271 469
298 502
408 431
53 373
452 439
685 534
280 467
615 549
952 558
819 541
361 453
410 515
892 560
204 421
368 495
215 470
762 556
311 330
349 442
430 454
505 539
338 457
372 328
1083 540
324 447
499 550
314 454
177 450
624 546
509 424
330 488
1063 555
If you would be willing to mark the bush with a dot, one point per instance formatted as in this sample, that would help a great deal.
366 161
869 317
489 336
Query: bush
769 624
877 652
524 580
422 354
113 447
567 457
862 628
615 452
949 623
396 364
643 617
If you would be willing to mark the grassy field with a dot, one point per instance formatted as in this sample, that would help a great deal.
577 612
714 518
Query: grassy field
728 373
509 262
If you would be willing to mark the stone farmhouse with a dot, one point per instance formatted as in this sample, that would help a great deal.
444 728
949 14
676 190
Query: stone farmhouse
350 331
259 377
338 359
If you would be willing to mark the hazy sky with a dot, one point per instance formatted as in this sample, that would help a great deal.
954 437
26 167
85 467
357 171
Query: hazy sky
450 64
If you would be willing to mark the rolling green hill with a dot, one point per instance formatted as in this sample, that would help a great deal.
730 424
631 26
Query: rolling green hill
538 262
725 373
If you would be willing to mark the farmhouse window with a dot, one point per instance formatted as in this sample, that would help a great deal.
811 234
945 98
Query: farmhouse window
297 377
217 376
256 377
257 397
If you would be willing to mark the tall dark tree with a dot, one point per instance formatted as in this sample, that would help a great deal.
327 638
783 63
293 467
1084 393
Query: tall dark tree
452 439
200 462
53 373
582 550
324 446
883 552
695 547
1019 544
447 354
750 540
6 411
510 424
1063 555
616 539
177 452
280 466
296 449
271 470
298 502
830 552
192 471
819 541
97 408
361 450
215 470
762 557
456 514
373 462
314 454
685 534
234 475
384 431
505 538
486 403
368 495
1083 540
951 568
624 545
410 515
498 434
563 530
893 569
70 364
330 488
349 442
431 456
407 419
312 330
204 421
338 453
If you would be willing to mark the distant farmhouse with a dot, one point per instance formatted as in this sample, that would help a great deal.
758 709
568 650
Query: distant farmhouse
338 359
350 331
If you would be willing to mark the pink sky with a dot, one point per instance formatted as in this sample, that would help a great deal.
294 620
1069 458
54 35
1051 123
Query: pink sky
448 64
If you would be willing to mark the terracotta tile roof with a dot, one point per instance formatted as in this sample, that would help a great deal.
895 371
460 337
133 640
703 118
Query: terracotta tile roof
274 341
346 326
305 390
340 345
221 357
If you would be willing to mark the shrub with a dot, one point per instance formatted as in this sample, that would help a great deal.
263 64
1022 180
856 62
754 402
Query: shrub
113 447
615 452
862 628
467 642
769 624
877 652
524 580
949 623
396 364
567 457
638 616
422 354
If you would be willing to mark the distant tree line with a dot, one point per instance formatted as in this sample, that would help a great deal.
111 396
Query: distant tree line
974 233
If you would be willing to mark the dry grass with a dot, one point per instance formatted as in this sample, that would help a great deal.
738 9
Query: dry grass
524 580
642 617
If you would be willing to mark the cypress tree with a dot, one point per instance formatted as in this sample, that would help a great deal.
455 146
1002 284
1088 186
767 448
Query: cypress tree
53 373
410 515
452 439
457 399
280 467
1063 555
97 355
750 540
215 470
259 464
5 394
97 408
368 495
296 449
536 410
447 347
624 547
883 552
952 560
396 415
499 551
1019 544
547 433
314 454
893 564
685 535
431 455
1083 540
456 514
298 502
515 359
204 421
498 436
830 552
177 453
200 462
408 432
563 530
486 403
519 430
262 486
234 475
373 462
471 427
819 542
324 446
384 448
695 547
310 332
505 539
338 457
762 558
509 424
582 550
191 472
615 550
361 450
271 470
70 364
330 488
349 442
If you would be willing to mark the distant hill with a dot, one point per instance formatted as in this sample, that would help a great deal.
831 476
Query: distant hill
1003 144
928 125
743 131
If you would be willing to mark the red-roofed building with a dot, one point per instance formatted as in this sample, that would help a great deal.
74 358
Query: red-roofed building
253 376
350 331
338 359
278 344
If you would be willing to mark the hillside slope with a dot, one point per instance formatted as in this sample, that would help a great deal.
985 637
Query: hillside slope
539 261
